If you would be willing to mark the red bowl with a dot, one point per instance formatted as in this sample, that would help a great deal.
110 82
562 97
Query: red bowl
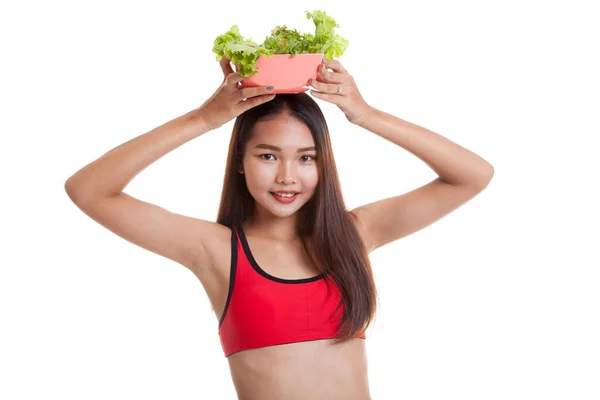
288 74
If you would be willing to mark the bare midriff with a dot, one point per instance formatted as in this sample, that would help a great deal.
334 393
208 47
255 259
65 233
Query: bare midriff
315 370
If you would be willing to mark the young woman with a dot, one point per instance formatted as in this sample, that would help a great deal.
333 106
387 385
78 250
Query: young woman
289 278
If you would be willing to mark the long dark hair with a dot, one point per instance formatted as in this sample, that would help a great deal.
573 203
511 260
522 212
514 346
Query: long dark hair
326 228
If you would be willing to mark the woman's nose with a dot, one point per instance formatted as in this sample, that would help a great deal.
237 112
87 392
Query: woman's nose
287 173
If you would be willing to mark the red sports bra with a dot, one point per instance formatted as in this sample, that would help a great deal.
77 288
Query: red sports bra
262 310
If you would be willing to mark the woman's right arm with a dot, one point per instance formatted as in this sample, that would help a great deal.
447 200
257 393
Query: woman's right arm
97 188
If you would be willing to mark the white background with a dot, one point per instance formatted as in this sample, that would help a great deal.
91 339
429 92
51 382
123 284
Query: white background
498 300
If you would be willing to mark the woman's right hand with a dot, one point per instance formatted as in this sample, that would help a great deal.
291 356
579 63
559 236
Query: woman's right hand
228 101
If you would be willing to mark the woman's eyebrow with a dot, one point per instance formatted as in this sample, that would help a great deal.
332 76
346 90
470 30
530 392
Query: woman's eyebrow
271 147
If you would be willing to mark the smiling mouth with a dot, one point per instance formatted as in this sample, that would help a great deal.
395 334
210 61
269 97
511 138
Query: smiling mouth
284 199
285 194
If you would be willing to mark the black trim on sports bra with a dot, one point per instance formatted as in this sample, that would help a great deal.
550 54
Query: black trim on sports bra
232 270
265 273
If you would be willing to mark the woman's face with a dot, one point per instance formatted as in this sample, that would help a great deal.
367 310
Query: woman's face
293 166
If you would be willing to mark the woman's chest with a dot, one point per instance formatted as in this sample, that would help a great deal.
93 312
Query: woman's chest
261 263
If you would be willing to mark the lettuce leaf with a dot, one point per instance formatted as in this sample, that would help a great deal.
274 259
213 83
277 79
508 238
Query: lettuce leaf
331 44
286 41
245 53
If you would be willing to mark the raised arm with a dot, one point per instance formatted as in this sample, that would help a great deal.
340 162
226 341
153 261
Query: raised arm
97 188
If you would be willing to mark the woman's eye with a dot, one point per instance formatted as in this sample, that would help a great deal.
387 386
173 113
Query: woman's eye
311 157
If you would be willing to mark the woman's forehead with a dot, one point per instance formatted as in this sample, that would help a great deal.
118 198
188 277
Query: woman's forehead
282 133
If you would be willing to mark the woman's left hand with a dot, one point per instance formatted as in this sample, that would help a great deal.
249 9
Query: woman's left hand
349 99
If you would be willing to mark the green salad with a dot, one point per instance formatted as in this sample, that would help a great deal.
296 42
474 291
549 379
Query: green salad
245 53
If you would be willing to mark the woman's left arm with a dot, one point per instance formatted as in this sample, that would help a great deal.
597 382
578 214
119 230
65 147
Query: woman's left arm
453 163
462 173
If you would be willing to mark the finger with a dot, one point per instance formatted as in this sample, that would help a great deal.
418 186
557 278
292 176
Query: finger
250 92
254 101
226 65
325 87
233 78
335 65
333 98
333 77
